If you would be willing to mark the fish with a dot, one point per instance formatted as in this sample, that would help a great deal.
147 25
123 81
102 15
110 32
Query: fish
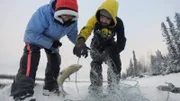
65 73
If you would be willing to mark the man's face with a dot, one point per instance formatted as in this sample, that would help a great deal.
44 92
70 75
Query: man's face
66 17
105 21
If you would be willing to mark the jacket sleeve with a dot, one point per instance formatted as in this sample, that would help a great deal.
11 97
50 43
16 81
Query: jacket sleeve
73 33
86 30
35 28
121 39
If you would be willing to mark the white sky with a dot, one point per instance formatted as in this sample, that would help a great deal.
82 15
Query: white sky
142 20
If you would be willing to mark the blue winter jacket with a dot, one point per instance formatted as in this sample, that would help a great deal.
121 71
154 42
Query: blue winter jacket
42 30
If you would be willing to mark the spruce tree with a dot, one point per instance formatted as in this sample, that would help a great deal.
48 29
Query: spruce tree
174 35
135 72
171 48
177 21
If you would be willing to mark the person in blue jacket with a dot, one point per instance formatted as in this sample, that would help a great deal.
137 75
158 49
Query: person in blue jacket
46 27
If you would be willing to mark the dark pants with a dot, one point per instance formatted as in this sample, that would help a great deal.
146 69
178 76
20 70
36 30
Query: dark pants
25 78
112 59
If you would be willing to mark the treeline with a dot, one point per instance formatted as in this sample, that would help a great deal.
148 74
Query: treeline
160 64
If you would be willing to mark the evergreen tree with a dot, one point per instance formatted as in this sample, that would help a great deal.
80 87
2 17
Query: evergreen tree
139 68
135 72
160 62
175 35
153 65
130 70
171 48
167 64
142 65
177 20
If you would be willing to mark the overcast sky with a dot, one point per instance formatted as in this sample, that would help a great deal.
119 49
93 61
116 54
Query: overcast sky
142 20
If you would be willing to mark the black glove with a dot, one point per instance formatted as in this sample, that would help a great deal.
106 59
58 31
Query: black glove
56 44
80 48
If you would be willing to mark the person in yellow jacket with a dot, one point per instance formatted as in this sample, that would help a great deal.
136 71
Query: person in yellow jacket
106 27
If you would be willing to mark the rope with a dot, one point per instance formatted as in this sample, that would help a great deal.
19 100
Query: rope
167 96
136 86
77 89
130 87
118 96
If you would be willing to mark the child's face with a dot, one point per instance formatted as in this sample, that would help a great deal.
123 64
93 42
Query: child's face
66 17
105 21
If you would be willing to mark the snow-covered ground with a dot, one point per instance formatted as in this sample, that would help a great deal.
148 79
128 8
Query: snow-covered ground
136 89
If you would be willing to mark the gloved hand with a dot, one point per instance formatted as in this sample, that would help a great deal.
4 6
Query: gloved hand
56 44
80 48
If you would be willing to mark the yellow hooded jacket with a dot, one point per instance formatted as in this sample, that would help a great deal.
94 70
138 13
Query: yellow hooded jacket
111 6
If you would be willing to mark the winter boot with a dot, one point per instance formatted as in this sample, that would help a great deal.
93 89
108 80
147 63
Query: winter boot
25 97
53 89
